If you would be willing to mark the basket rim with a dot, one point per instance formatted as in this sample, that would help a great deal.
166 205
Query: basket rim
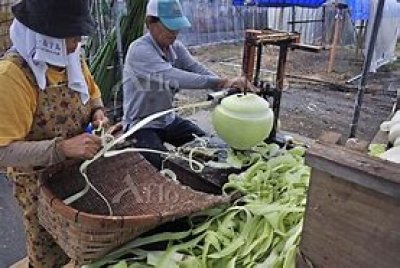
103 220
85 217
81 217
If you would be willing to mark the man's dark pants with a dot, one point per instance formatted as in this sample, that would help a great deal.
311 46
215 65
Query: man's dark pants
179 132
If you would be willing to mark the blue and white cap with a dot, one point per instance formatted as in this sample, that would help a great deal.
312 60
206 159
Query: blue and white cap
169 12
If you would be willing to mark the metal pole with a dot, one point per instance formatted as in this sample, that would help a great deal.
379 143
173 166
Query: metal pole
323 38
293 19
258 64
280 78
120 10
367 65
281 15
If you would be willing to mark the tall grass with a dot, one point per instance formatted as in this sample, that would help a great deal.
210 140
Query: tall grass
104 65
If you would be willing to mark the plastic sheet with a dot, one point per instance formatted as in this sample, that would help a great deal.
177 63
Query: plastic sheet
220 21
359 9
280 3
385 47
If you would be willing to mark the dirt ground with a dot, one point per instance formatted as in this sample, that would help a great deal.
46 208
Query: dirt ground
313 100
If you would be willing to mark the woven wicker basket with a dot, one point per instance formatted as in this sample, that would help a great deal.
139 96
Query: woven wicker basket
140 197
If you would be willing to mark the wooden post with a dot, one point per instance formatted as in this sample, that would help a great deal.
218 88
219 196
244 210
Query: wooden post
249 52
336 36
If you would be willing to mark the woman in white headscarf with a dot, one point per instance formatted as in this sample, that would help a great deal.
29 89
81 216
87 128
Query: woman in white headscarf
47 98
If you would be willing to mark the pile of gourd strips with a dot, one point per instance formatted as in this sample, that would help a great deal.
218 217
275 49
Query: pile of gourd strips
261 229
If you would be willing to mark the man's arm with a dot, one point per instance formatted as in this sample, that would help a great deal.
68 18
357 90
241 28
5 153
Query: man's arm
181 79
145 63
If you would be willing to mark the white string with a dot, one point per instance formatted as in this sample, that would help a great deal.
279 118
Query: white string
108 142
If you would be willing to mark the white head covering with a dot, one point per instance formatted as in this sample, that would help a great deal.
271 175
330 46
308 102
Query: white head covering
39 50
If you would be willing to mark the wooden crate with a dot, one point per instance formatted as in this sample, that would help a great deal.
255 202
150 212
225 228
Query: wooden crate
353 212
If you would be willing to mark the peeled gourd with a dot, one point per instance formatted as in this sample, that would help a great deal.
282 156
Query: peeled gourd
393 127
243 120
387 125
396 143
394 132
392 155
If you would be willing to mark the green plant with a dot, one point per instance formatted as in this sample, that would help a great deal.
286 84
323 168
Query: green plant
104 65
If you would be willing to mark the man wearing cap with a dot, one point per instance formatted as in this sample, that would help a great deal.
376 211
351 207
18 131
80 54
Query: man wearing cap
47 98
156 66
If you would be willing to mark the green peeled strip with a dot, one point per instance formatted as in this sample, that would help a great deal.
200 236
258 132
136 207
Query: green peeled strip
262 229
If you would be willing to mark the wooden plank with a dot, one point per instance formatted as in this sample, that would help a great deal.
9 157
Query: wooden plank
330 137
359 168
356 144
307 47
298 139
347 225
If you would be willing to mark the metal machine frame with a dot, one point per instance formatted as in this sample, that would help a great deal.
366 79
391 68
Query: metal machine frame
255 40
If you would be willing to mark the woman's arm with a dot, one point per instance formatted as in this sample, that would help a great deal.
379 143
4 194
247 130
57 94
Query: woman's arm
27 154
49 152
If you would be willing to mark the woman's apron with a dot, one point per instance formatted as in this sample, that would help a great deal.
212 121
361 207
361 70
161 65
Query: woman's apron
59 113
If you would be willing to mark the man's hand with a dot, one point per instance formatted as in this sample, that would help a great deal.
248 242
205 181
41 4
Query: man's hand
83 146
240 83
116 129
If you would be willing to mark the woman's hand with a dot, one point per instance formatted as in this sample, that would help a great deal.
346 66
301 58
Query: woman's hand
83 146
99 118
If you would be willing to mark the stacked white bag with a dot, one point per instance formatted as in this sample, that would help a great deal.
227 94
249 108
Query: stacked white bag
393 127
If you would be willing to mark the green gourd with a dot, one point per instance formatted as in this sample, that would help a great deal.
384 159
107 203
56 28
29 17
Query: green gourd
243 120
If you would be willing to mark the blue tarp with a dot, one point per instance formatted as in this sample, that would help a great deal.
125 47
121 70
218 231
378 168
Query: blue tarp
359 9
280 3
